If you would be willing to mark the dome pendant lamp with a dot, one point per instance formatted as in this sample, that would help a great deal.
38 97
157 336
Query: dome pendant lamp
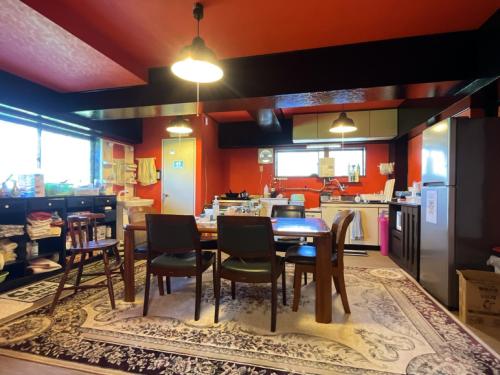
179 126
343 124
196 62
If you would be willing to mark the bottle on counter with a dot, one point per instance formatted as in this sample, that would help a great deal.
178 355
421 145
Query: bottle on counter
215 207
266 191
357 173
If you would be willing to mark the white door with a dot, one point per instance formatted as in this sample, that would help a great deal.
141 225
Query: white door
178 176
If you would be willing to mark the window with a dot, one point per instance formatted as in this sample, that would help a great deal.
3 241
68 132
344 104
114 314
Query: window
305 163
65 158
18 149
290 163
28 149
346 157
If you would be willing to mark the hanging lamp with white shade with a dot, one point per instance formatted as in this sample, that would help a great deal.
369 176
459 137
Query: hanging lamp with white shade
196 62
179 126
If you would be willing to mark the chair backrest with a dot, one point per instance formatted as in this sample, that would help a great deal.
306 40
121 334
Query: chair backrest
288 210
339 229
172 233
246 236
79 228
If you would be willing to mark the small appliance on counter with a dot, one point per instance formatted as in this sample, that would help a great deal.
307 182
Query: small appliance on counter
235 196
297 200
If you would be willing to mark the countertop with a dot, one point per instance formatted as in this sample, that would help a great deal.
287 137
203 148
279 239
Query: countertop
412 204
360 204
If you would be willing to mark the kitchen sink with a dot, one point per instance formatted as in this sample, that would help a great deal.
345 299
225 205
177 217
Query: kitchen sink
136 202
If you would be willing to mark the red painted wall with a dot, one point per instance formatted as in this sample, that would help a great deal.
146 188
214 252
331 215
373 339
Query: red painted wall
210 172
414 159
243 173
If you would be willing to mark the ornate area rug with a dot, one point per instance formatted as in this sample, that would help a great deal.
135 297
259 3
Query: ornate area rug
25 299
394 328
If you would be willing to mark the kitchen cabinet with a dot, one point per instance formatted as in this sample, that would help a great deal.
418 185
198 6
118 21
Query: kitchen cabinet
377 124
384 123
305 128
404 244
369 220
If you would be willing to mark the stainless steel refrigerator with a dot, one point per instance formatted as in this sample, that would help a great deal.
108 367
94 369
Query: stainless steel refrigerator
460 220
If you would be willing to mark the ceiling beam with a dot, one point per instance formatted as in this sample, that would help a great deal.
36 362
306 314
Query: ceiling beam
433 58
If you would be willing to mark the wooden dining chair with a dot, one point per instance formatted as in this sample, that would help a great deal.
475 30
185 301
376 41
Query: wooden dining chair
82 245
294 211
249 242
174 249
304 258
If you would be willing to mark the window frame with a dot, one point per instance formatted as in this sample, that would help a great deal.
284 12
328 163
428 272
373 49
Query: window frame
43 126
326 152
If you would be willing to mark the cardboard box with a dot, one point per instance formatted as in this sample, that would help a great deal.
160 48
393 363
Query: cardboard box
479 297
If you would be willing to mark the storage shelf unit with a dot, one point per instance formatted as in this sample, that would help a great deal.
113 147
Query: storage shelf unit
16 210
404 244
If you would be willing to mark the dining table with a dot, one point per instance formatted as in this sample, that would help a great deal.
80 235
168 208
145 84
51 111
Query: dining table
294 227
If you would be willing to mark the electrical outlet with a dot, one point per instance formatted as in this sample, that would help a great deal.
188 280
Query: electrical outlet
261 168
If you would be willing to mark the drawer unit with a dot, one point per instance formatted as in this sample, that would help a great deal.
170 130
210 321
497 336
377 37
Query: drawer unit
105 201
46 204
12 206
79 203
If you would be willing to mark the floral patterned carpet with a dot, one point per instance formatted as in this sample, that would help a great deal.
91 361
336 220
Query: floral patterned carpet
393 328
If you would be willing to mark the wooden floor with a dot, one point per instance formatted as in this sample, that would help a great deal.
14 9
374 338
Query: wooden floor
374 259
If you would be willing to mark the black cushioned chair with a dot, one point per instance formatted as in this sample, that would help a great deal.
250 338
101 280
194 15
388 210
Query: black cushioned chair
174 249
249 242
294 211
304 258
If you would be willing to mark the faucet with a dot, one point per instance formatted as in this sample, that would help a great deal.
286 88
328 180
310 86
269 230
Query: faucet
340 187
121 194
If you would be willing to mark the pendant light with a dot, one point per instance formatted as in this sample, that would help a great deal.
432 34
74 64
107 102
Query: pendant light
196 62
179 126
343 124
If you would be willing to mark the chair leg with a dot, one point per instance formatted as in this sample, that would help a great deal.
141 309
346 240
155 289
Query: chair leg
80 271
343 293
296 288
60 287
233 290
169 288
305 278
198 296
160 286
336 283
146 292
217 295
283 284
274 304
119 259
108 279
214 277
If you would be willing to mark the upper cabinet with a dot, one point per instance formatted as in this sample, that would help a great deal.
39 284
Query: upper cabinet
361 120
379 124
305 128
384 123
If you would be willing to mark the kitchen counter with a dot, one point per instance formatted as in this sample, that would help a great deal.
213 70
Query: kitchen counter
411 204
351 203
